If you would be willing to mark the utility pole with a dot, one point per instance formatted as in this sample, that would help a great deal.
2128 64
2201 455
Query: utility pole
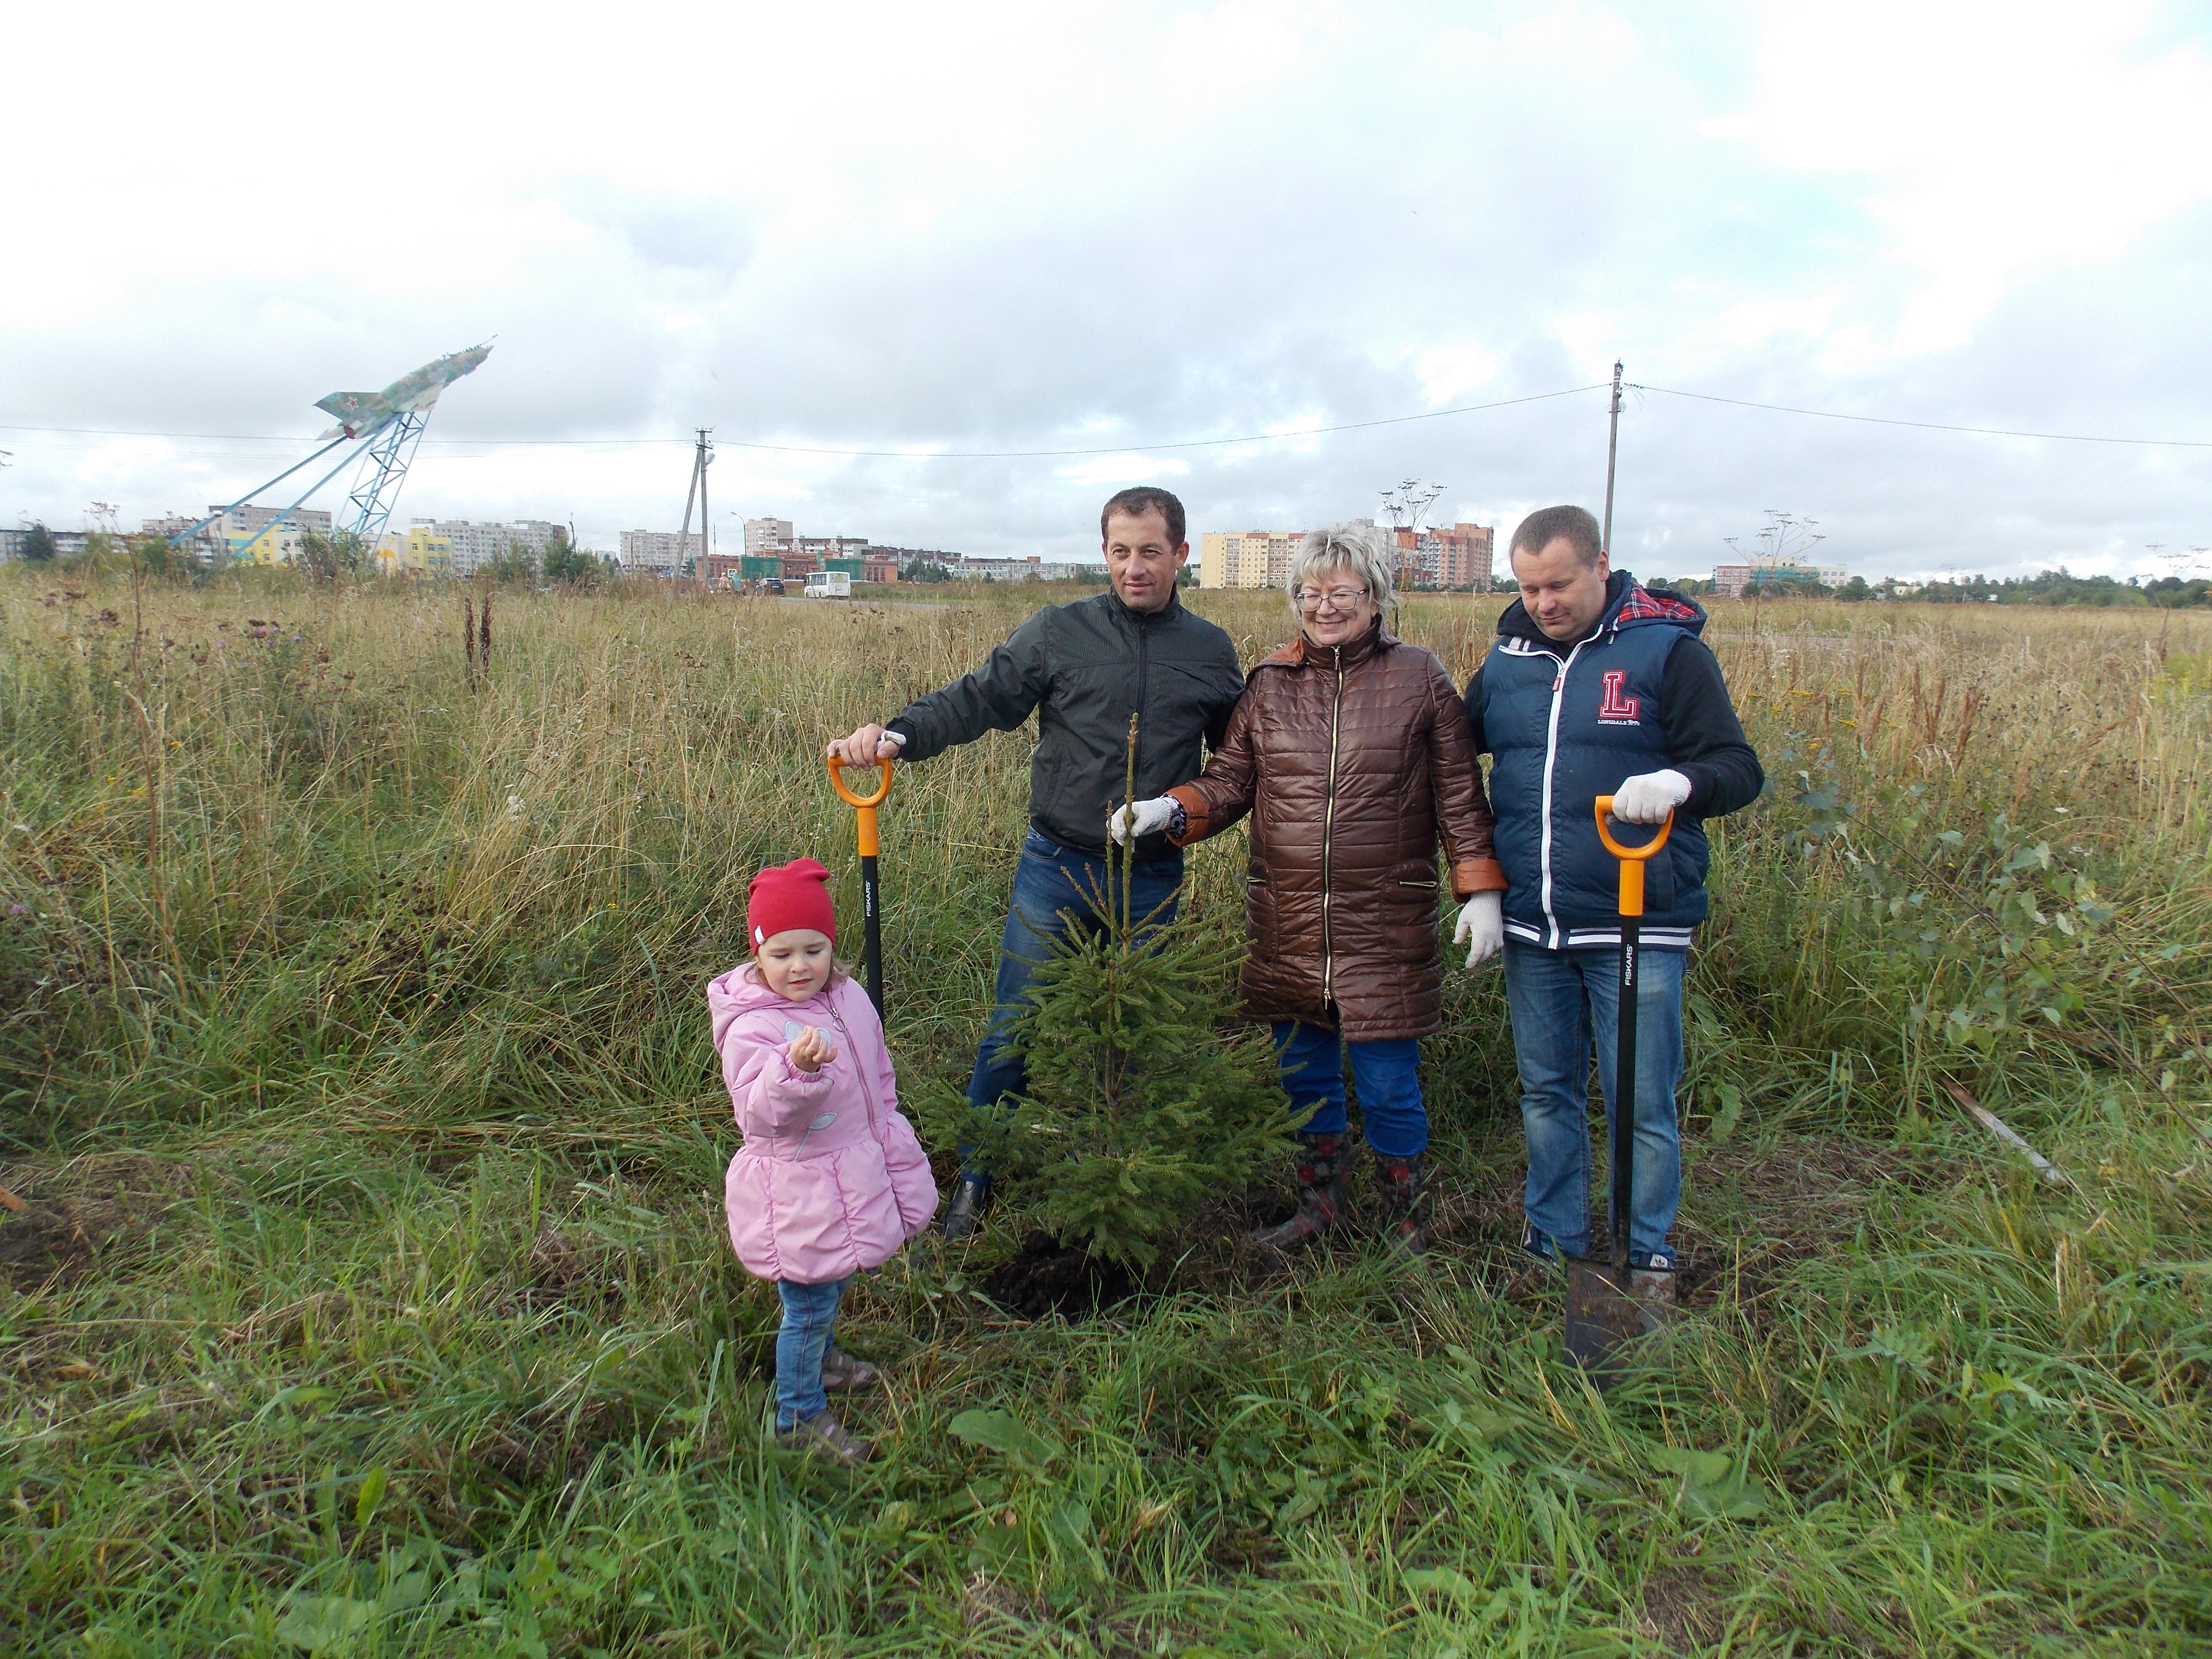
1612 453
702 459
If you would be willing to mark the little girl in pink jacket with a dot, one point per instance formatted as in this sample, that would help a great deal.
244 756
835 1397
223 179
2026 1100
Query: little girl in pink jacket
830 1181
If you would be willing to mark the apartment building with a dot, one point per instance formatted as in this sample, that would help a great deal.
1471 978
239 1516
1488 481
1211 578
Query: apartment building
475 545
766 536
200 549
661 552
422 552
1455 559
1732 581
244 535
1246 558
1459 557
823 549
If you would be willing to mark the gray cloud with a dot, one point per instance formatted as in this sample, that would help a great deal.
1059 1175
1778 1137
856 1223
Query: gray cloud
1533 197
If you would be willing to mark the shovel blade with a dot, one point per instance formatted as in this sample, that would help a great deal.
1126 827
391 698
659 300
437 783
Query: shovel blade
1604 1314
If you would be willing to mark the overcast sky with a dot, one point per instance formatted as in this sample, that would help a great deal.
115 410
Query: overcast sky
1111 228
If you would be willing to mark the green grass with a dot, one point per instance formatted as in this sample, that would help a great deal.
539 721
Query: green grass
371 1293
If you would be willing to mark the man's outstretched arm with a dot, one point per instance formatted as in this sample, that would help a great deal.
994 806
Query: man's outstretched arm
995 697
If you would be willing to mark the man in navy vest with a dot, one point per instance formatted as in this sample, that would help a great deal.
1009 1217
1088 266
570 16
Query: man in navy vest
1598 685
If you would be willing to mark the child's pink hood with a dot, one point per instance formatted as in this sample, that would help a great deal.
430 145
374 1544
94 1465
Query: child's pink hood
740 992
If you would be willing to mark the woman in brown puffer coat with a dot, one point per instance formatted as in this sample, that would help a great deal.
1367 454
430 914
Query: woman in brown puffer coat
1351 752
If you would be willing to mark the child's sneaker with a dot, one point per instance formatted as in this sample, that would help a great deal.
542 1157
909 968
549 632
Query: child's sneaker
843 1374
822 1433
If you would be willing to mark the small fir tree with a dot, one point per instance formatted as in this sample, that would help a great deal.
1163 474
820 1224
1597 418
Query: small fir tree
1137 1106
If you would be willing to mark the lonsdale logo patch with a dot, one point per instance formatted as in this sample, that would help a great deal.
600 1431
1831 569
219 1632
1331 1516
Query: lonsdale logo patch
1613 709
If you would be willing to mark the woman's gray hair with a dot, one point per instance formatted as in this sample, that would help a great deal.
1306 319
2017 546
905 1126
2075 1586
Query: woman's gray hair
1364 549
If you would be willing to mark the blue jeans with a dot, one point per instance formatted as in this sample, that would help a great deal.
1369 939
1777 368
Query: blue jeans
809 1311
1387 1073
1055 888
1561 1001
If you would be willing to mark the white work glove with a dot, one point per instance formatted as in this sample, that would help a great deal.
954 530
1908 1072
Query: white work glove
1151 817
1481 927
1649 798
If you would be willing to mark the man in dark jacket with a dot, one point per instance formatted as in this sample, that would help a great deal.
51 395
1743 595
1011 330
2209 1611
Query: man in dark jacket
1085 669
1600 686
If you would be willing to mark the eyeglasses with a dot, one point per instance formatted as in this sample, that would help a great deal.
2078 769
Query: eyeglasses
1337 598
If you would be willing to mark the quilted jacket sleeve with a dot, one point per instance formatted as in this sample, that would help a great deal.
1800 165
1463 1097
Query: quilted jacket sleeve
1462 809
1222 793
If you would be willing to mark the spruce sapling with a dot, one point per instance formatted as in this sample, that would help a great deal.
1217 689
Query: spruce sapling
1137 1108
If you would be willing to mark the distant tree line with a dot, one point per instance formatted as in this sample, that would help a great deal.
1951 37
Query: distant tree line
2054 587
2061 587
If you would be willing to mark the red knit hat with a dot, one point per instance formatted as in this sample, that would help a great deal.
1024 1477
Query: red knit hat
789 896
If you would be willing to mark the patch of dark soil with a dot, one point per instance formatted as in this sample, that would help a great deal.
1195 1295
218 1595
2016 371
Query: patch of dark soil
43 1243
1245 1549
1683 1608
1215 1250
537 1448
56 1223
1048 1277
1752 1210
563 1274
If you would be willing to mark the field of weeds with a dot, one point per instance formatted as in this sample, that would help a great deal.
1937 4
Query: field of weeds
363 1285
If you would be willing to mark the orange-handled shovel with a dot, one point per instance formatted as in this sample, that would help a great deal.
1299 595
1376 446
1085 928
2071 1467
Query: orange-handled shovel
872 938
1603 1310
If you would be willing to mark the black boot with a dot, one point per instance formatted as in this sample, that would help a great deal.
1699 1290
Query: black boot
1321 1195
1399 1180
970 1193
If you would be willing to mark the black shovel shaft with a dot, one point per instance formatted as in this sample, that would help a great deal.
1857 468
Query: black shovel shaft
871 933
1624 1092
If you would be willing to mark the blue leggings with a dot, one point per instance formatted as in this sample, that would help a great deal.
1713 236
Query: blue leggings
809 1313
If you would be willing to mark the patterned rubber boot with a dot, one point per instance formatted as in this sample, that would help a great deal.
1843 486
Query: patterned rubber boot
843 1374
825 1434
1403 1202
1321 1195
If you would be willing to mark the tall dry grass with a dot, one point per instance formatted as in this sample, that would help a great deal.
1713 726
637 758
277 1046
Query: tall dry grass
369 1294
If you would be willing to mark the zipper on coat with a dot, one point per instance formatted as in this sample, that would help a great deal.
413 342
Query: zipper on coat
1144 677
1328 836
867 1089
1551 762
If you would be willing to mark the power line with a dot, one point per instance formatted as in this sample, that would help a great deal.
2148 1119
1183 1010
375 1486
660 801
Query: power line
1929 426
1180 443
459 443
885 454
278 438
